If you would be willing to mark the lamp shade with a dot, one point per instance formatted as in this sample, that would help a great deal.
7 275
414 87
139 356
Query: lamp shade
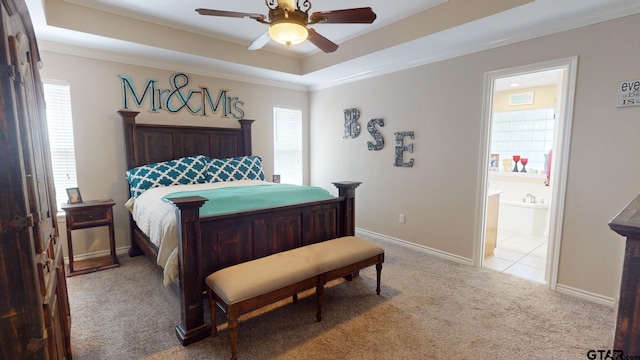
288 33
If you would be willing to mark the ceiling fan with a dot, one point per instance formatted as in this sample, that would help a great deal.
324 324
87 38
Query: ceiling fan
288 22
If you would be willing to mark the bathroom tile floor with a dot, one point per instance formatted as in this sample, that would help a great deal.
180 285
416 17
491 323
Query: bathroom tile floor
521 255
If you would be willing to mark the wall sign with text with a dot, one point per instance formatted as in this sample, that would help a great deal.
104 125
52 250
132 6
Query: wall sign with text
198 100
629 93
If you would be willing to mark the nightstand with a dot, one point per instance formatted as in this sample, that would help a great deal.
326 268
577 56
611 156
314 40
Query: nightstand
86 215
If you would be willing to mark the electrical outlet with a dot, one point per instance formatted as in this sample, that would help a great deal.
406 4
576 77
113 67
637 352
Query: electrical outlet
401 218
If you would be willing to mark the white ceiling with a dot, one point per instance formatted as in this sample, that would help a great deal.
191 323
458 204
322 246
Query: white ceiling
182 15
171 35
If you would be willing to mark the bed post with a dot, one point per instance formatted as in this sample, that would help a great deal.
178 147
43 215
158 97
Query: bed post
129 122
192 327
245 125
347 189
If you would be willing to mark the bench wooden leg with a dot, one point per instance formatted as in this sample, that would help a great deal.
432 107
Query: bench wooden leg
352 276
378 275
212 309
319 296
233 330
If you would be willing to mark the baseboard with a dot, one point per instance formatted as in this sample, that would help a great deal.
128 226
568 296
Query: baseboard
425 249
119 251
586 295
563 289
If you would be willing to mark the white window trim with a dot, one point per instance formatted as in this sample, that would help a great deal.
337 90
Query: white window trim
288 145
61 144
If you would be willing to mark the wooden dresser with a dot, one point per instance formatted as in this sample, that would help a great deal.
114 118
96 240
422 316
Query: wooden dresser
627 224
35 322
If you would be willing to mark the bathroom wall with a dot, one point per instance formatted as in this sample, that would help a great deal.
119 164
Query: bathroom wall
525 130
543 97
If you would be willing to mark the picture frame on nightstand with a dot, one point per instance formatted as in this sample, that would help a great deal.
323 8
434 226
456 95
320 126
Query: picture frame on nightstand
74 195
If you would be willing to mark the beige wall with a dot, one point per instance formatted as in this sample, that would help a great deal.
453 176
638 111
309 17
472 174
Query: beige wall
96 95
442 104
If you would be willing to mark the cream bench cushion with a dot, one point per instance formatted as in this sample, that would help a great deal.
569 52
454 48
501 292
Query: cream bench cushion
254 278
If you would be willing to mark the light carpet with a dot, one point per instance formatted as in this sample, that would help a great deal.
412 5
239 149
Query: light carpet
429 308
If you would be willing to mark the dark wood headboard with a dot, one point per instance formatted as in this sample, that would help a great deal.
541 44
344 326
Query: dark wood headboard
147 144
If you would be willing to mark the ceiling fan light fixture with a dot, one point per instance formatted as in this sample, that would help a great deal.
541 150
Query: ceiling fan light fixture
288 21
288 33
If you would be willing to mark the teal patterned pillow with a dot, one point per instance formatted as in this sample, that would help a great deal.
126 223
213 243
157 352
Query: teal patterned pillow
237 168
183 171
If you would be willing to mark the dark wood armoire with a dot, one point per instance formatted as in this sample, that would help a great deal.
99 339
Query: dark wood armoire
627 336
35 322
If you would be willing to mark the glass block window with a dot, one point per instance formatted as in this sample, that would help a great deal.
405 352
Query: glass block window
528 133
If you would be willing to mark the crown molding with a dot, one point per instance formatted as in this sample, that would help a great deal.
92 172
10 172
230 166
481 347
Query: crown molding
242 73
210 70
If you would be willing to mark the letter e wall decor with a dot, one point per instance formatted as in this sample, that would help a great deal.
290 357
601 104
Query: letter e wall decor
401 148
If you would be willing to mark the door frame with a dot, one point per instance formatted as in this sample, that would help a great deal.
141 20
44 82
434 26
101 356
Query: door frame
559 166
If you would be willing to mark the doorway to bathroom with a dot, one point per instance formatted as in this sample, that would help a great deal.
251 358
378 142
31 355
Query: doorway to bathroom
527 122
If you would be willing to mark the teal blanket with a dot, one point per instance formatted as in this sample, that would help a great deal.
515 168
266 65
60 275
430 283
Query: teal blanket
242 198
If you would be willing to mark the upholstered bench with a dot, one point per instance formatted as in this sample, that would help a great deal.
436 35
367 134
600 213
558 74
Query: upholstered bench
248 286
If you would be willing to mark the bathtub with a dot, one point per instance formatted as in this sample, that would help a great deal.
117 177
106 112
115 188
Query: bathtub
523 217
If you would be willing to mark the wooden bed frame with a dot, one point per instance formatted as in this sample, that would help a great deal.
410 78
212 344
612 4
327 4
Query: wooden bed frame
211 243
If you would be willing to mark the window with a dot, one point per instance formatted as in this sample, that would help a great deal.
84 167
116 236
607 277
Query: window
287 145
57 96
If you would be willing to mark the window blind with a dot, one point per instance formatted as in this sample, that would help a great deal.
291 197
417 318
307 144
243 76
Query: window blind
57 96
287 144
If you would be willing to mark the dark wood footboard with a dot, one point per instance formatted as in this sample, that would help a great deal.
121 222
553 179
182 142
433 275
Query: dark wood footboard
211 243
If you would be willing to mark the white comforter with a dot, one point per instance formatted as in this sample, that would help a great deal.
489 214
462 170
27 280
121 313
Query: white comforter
157 219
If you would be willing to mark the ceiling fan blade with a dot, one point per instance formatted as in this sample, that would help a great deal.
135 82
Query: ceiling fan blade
347 16
260 42
234 14
321 42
